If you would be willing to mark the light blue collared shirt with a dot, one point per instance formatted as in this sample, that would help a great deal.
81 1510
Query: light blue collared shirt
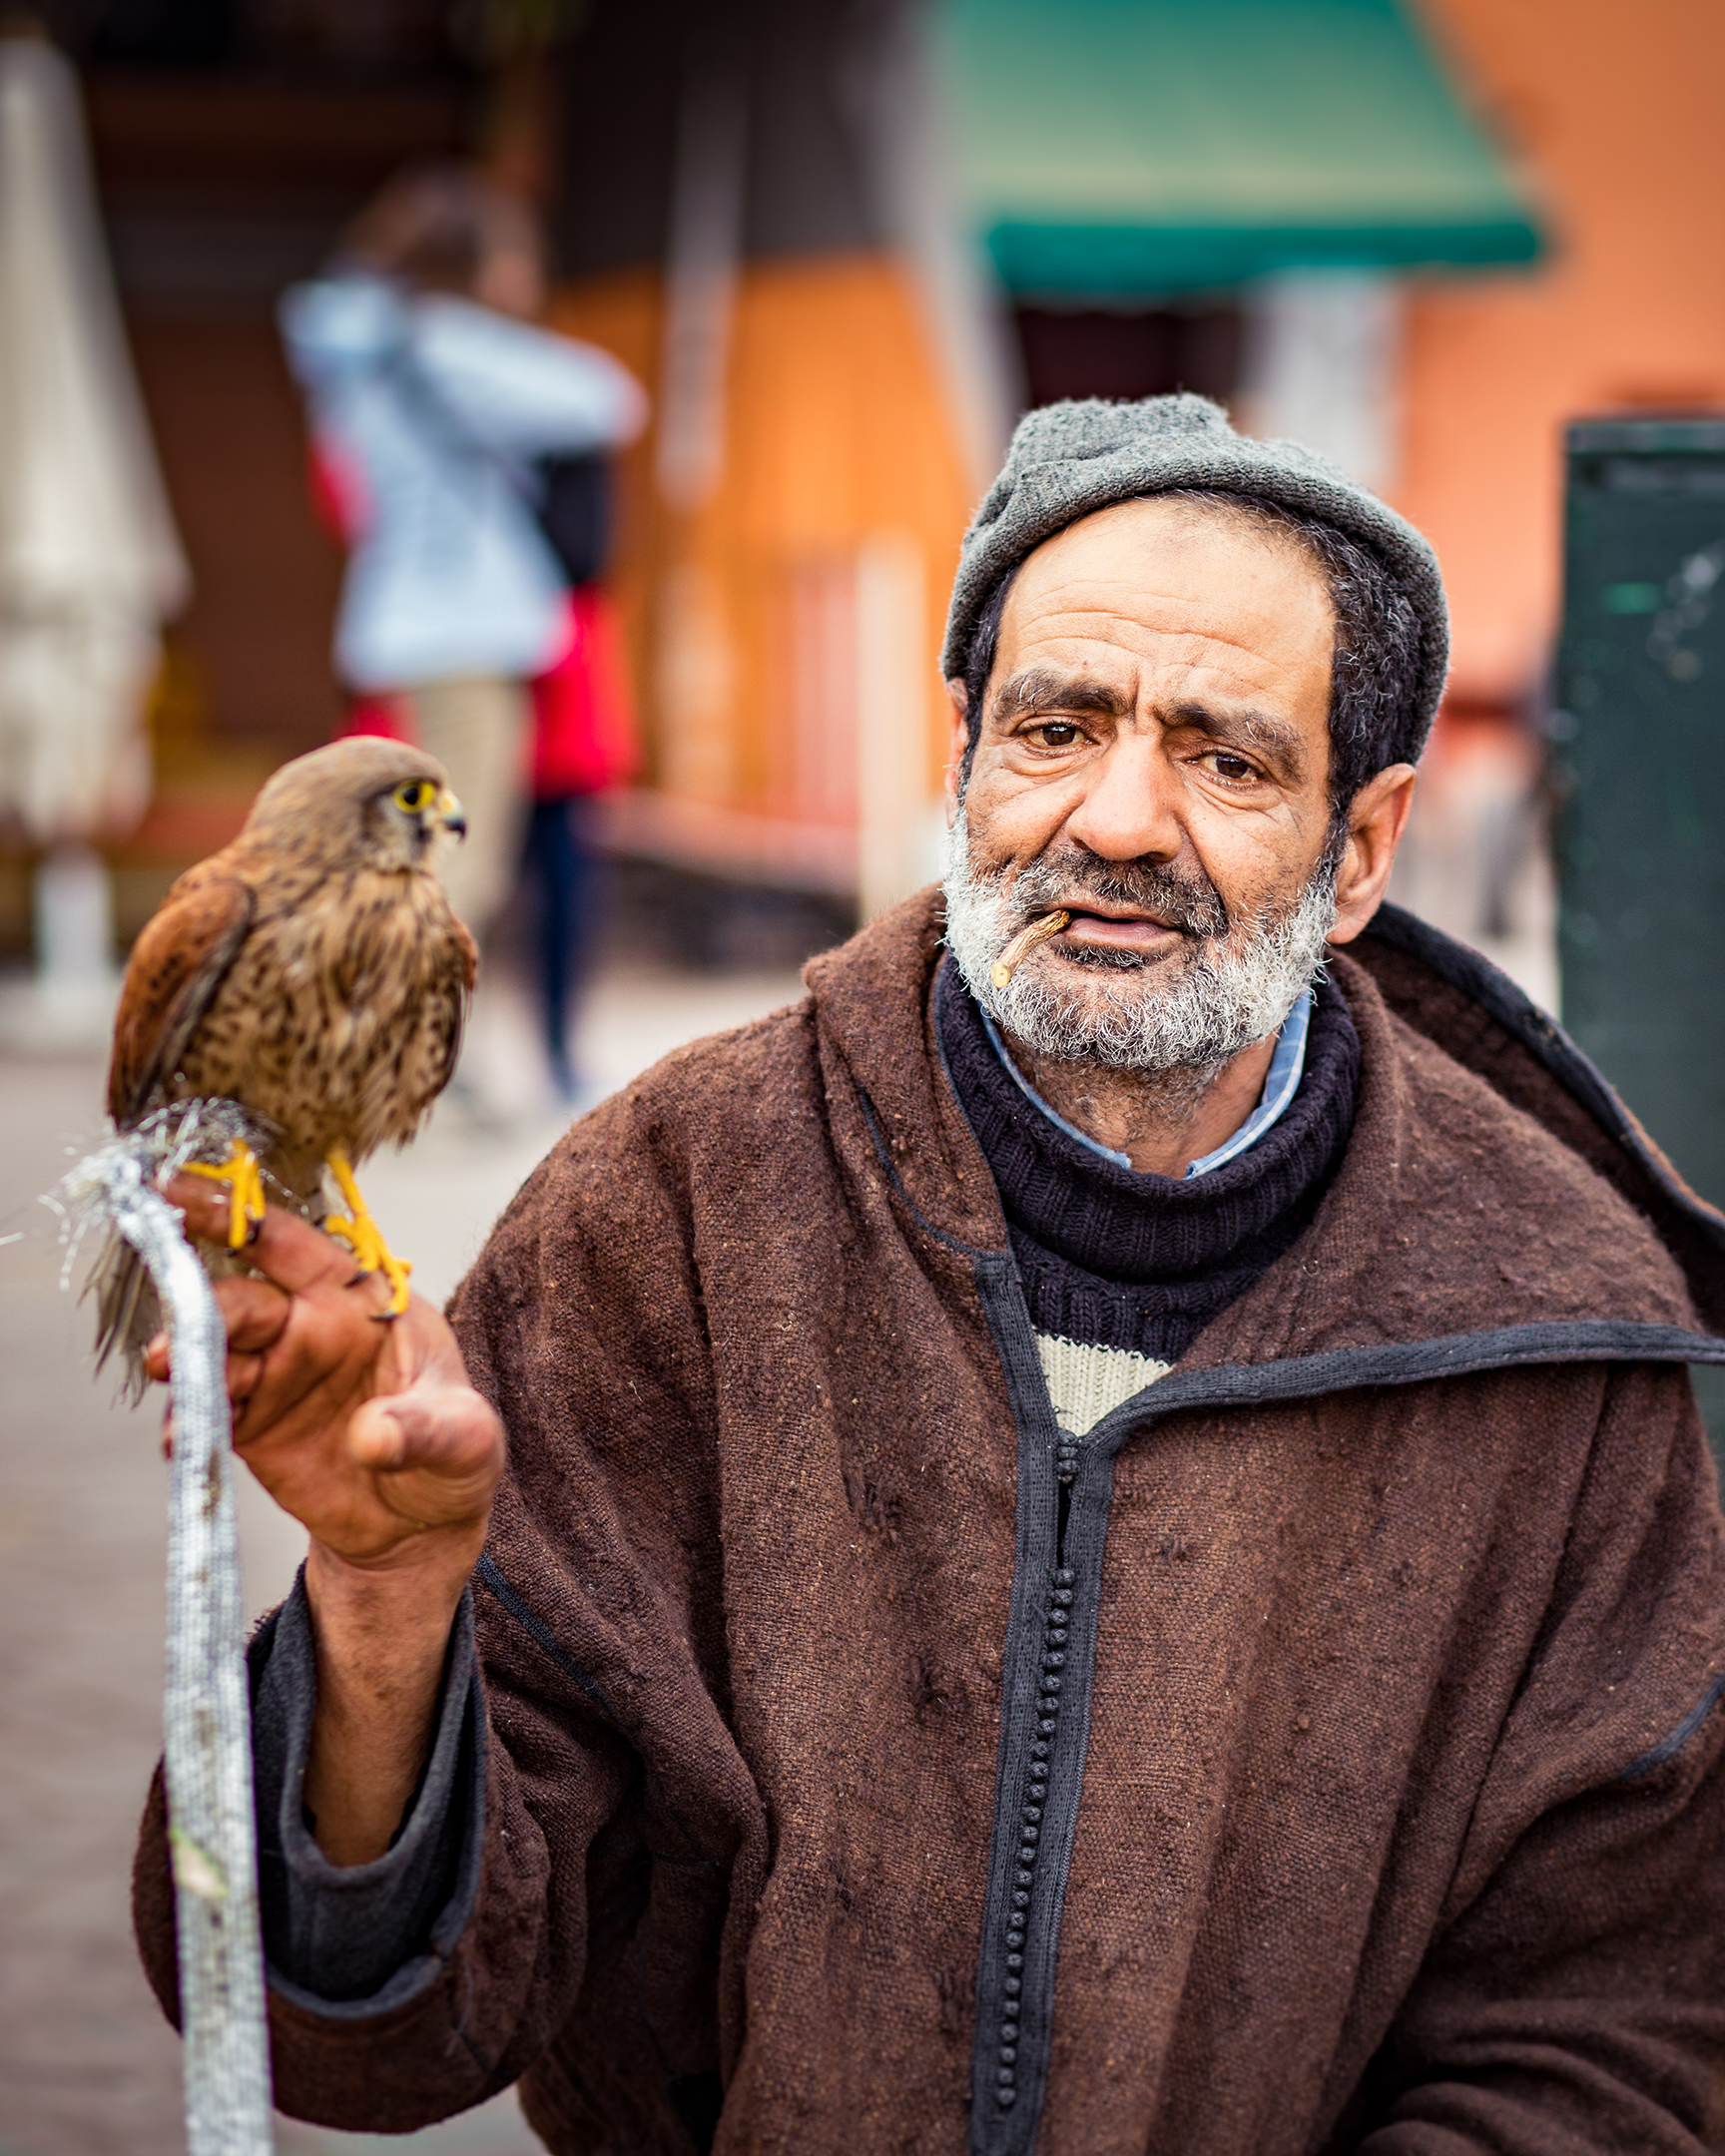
1280 1083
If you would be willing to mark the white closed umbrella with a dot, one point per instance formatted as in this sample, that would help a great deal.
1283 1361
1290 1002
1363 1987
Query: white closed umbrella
90 564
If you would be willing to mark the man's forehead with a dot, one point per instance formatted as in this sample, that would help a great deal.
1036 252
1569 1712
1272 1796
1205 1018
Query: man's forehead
1177 580
1196 548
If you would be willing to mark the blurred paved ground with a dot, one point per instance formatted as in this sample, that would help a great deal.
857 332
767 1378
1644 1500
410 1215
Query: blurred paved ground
87 2065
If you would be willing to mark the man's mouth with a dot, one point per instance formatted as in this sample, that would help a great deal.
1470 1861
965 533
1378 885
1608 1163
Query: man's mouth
1109 914
1123 928
1118 934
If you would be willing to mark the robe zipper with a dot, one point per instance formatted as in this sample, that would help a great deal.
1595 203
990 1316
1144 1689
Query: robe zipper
1065 1487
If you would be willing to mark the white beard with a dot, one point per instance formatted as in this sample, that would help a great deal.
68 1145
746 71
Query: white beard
1193 1011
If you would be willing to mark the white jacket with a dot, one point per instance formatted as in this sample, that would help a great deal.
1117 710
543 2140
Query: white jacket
433 407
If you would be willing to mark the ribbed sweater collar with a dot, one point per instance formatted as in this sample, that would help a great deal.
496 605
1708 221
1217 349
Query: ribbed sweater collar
1127 1227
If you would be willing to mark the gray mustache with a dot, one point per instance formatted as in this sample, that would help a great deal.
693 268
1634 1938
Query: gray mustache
1190 903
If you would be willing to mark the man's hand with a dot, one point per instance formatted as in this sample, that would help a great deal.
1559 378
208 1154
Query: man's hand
369 1435
366 1431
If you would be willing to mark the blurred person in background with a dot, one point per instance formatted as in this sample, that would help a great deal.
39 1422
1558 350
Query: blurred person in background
585 739
437 407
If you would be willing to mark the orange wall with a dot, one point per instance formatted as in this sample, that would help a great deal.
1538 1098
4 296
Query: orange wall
835 429
1617 114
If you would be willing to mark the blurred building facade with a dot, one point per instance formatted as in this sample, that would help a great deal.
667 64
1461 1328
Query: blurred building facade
844 241
750 212
229 143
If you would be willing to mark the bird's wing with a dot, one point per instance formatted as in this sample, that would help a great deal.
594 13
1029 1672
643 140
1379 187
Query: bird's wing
176 965
467 957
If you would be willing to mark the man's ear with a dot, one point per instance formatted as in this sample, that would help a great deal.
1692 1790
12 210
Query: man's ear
1376 817
959 739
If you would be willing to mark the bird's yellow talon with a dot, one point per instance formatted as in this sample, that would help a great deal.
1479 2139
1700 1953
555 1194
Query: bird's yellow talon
363 1238
244 1181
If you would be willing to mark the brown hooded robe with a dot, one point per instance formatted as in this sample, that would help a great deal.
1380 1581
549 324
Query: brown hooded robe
1386 1809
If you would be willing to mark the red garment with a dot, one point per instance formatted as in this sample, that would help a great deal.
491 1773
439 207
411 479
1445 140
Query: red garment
337 487
584 731
382 714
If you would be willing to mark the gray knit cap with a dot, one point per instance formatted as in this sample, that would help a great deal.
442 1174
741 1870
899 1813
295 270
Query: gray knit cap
1068 460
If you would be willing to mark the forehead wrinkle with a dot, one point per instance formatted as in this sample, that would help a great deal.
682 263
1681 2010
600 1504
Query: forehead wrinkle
1258 558
1204 647
1084 569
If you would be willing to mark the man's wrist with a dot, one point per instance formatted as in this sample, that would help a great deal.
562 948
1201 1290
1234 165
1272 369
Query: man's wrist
413 1588
382 1635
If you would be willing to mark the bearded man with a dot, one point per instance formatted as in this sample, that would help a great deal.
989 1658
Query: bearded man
1105 1543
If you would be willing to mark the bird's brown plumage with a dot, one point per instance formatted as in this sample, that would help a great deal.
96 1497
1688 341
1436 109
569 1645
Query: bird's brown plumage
313 971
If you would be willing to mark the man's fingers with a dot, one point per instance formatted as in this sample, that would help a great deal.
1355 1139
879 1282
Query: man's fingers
367 1434
255 1313
244 1373
206 1206
285 1249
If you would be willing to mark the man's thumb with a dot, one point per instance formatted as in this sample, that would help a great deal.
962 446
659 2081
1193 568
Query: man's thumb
447 1430
376 1437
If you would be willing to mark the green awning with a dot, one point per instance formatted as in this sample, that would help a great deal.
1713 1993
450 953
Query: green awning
1116 147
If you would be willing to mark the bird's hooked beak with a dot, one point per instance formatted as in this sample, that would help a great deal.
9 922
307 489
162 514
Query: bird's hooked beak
452 817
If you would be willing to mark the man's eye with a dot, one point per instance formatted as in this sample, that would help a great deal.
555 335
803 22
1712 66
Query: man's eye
1058 733
1231 767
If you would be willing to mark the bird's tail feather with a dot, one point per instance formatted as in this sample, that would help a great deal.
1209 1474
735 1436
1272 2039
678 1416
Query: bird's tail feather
127 1311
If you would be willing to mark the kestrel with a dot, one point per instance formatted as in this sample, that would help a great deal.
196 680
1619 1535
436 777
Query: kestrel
315 974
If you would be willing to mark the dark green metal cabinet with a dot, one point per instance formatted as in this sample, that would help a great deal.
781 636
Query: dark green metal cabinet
1639 761
1640 756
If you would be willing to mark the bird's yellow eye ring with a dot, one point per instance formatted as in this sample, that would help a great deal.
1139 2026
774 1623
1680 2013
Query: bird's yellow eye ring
415 795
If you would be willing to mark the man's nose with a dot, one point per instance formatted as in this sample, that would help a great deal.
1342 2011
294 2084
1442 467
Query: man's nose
1127 812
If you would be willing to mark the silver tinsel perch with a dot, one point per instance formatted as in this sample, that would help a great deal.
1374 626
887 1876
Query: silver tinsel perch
207 1721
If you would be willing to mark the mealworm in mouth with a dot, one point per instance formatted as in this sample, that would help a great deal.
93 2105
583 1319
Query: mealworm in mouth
1026 941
